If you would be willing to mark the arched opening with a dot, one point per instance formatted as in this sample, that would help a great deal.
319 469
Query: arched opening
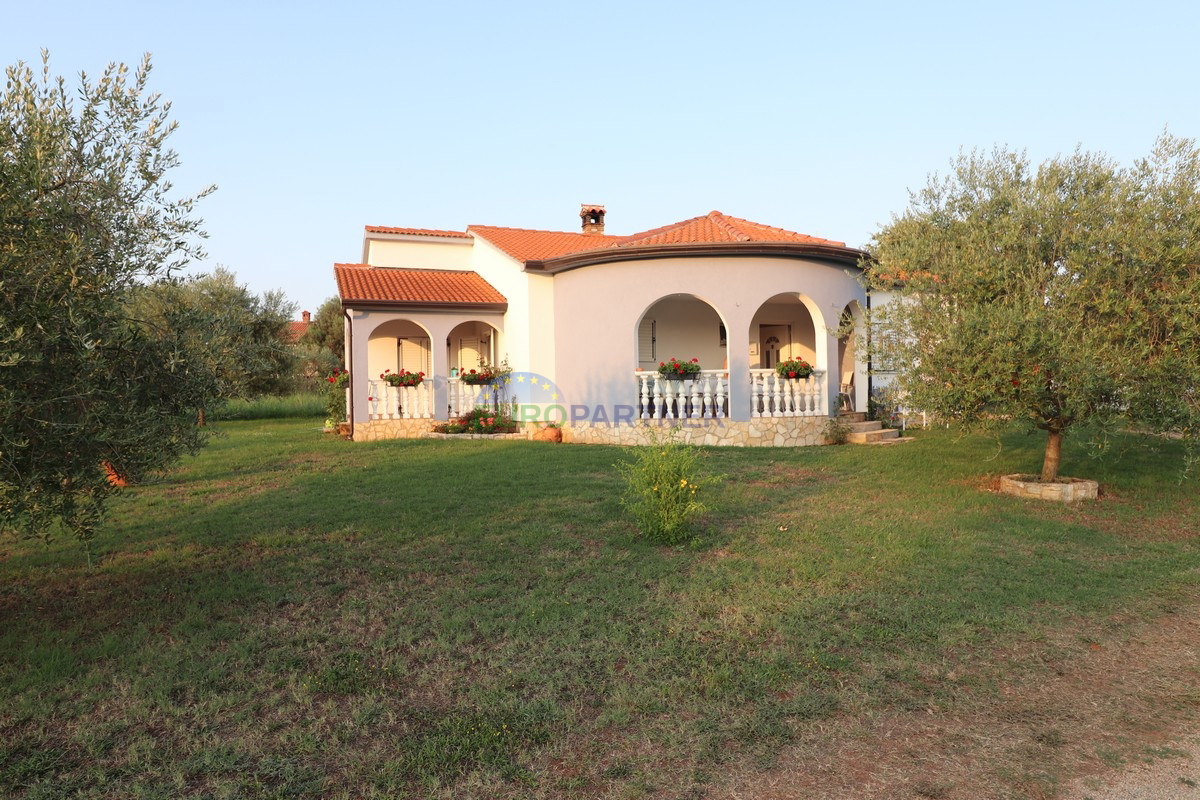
393 348
471 345
781 329
681 326
685 328
787 358
399 345
848 346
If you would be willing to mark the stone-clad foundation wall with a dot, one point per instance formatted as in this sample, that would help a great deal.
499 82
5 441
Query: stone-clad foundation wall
764 432
774 432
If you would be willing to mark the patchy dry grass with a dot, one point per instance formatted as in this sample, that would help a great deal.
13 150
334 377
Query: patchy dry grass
290 615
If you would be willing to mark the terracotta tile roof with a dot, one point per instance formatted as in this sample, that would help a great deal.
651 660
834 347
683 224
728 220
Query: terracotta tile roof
716 227
296 329
712 228
527 245
367 284
416 231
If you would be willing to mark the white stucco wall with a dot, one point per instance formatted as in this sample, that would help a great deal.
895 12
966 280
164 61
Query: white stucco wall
527 342
597 309
418 253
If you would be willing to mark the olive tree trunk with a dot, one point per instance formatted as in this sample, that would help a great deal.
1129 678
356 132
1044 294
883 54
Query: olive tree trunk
1053 456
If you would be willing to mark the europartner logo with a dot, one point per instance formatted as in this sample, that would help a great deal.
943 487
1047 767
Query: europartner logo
536 398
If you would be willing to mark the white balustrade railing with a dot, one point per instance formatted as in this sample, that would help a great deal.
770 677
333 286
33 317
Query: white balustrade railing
773 396
704 397
462 396
385 401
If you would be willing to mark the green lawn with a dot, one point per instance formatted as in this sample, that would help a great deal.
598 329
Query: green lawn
292 615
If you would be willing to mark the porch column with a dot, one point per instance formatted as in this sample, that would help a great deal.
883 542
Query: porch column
827 359
439 332
740 396
736 317
356 362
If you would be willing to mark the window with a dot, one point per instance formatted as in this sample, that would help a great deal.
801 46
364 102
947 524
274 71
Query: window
647 342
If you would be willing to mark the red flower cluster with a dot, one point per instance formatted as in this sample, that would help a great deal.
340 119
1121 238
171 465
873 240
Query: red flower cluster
402 378
794 368
677 367
340 378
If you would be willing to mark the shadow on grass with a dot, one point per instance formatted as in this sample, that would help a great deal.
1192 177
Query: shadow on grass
464 611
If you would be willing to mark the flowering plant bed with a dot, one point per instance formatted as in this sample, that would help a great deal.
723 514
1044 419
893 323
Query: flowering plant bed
479 420
677 370
487 373
794 368
475 378
402 378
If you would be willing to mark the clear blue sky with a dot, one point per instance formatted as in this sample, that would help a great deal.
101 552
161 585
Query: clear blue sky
315 119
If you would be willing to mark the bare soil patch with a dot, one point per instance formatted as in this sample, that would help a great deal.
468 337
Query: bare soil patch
1082 708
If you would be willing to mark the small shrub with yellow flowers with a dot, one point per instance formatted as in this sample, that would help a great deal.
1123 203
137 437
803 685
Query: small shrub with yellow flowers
664 485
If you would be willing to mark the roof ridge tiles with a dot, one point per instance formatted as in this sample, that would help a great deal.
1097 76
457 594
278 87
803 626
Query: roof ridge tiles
403 269
726 224
416 231
633 237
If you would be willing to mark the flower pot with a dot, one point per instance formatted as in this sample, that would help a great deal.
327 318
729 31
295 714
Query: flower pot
115 478
675 376
548 435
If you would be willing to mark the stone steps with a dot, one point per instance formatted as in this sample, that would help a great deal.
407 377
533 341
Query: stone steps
864 432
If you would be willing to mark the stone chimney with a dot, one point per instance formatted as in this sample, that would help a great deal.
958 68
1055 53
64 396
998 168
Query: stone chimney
306 316
593 218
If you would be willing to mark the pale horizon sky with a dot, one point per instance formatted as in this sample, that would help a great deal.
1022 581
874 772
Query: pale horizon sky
315 120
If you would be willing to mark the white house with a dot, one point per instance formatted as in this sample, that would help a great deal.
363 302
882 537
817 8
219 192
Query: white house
585 318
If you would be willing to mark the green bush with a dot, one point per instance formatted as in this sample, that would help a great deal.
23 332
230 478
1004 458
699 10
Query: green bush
837 431
663 489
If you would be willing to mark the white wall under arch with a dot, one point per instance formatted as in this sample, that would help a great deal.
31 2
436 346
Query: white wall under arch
686 327
801 314
383 344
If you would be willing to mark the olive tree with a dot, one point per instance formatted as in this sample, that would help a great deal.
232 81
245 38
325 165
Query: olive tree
328 329
86 215
240 341
1058 296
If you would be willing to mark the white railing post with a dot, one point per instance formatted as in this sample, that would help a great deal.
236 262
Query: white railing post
702 397
373 388
452 385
